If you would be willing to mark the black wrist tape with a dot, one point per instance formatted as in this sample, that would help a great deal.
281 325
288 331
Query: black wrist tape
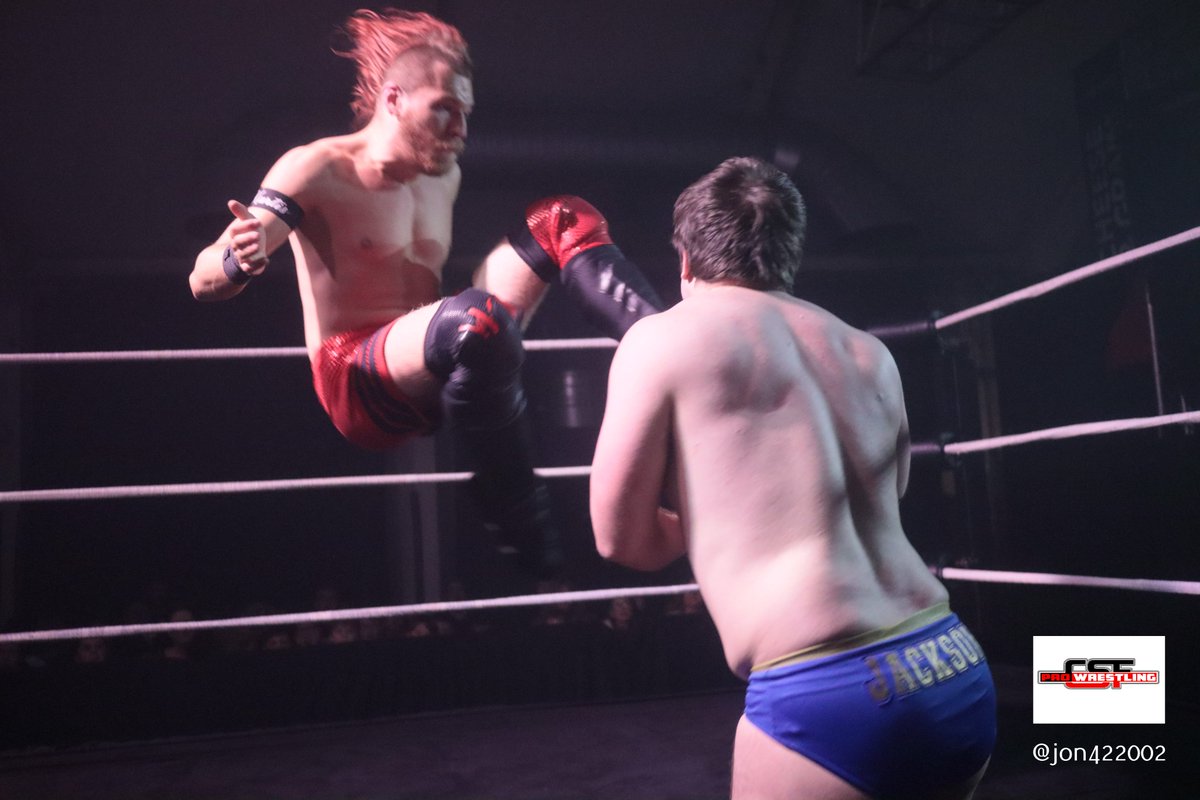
233 271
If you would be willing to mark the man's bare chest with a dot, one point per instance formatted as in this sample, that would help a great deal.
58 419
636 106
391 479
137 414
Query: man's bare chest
389 229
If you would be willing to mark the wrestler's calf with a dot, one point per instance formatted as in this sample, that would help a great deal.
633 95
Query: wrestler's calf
566 239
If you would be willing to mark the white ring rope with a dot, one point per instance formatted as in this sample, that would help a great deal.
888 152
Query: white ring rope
235 487
376 612
602 343
200 354
1072 431
1051 579
1067 278
553 598
289 484
596 343
205 354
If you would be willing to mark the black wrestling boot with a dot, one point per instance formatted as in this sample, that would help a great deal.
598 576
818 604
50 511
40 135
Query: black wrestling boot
565 239
525 534
513 500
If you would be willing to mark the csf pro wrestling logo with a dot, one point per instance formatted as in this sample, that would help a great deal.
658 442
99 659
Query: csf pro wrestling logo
1103 679
1098 673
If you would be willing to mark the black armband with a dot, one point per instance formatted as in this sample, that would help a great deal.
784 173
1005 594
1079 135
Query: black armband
233 270
280 205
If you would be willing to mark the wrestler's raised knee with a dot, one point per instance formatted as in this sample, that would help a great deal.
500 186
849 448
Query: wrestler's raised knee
474 345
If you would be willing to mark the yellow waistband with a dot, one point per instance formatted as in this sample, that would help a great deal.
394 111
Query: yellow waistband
920 619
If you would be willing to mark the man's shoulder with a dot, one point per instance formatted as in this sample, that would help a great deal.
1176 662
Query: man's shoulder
666 339
329 146
314 160
658 327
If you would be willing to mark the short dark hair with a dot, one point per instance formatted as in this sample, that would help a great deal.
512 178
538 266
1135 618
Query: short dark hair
743 222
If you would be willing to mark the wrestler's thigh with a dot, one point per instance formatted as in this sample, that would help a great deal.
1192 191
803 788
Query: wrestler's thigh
405 352
763 769
506 275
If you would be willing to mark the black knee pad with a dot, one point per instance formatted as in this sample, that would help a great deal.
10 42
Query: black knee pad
474 345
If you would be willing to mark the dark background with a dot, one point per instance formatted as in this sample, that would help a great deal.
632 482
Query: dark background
937 177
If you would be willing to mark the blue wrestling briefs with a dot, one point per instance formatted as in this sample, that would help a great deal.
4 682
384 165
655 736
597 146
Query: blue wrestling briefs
899 712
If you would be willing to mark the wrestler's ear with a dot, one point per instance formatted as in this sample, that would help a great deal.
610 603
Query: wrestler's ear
393 97
685 266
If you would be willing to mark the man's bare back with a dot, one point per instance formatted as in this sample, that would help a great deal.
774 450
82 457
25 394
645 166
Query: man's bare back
790 450
779 435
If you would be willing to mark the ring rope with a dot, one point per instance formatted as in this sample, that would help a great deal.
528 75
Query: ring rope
1038 289
205 354
199 354
269 620
284 484
1052 579
594 343
599 343
287 484
1072 431
551 598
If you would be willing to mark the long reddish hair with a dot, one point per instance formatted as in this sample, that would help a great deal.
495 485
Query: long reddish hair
378 39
